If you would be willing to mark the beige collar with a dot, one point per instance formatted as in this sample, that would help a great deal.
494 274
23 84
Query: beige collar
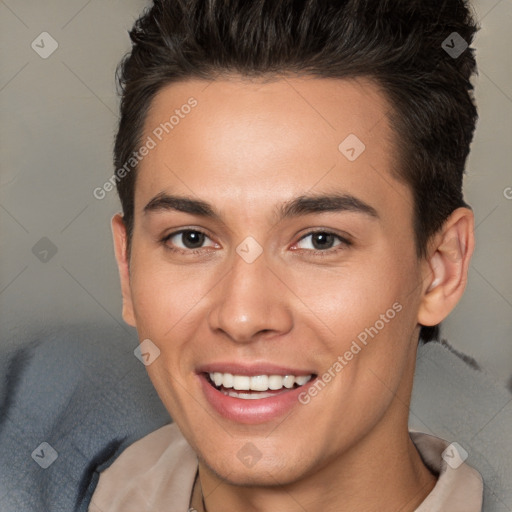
197 501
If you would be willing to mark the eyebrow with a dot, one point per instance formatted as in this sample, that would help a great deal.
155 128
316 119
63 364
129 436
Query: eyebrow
299 206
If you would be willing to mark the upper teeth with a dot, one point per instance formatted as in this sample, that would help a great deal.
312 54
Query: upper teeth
257 382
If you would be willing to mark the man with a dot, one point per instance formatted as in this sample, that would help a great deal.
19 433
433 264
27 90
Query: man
290 174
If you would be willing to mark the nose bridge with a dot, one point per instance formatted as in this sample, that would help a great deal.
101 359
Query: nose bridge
250 299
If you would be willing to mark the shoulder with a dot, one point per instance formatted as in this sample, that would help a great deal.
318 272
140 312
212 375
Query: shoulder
459 486
453 400
158 469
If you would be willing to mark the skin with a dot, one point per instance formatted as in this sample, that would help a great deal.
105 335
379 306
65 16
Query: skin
247 148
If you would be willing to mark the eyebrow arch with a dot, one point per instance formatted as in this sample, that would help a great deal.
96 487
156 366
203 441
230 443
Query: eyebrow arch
183 204
334 202
301 205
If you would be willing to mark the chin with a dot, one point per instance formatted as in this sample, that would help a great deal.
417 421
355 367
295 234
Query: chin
264 473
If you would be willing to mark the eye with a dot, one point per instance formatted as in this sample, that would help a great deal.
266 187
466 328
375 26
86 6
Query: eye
185 241
190 241
322 242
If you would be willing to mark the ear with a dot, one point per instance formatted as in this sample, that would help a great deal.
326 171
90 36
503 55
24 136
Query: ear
120 245
446 269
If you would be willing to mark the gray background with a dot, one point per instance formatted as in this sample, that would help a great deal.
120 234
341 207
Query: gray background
58 122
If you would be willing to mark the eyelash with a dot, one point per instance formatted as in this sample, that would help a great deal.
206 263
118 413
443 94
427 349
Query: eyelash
343 245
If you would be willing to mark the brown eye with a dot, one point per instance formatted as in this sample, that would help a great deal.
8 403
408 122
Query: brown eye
185 240
323 241
192 239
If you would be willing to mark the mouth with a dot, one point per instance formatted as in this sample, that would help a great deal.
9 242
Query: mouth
253 393
255 387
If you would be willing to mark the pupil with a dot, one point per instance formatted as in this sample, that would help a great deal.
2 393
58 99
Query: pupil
322 236
193 239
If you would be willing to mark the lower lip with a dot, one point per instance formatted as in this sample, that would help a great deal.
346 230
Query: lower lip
250 411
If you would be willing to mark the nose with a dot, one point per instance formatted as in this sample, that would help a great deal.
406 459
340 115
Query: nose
251 302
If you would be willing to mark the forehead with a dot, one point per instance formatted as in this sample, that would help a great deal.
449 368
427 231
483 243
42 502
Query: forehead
255 140
291 107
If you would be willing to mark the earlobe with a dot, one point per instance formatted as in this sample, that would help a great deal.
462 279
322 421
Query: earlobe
447 268
120 247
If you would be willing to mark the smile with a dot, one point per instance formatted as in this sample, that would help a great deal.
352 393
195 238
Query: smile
255 387
253 393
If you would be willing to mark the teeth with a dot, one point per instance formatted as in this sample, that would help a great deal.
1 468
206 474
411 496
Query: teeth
227 380
302 380
289 381
217 378
248 396
241 382
275 382
257 382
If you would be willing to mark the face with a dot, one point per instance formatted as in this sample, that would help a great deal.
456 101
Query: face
290 254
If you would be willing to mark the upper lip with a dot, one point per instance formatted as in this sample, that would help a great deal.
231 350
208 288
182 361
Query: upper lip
252 369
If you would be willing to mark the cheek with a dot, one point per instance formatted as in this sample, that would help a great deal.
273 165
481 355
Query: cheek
347 299
165 296
368 315
165 299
